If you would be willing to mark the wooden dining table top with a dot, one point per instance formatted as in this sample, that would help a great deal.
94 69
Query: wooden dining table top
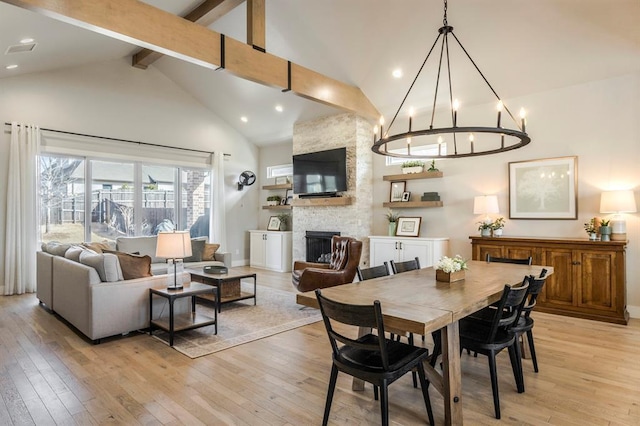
414 301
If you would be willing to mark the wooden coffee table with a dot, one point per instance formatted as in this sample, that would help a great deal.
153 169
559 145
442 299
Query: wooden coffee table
228 285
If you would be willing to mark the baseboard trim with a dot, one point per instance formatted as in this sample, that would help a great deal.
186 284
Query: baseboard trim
634 311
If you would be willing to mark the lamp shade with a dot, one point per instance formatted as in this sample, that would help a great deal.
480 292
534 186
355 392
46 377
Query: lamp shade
173 245
618 202
485 204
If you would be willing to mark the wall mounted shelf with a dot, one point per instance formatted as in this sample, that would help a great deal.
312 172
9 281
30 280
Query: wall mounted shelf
279 186
278 207
315 202
412 176
412 204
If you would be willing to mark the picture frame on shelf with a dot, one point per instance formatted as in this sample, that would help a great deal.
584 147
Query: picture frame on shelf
397 189
282 180
288 198
283 201
406 196
408 226
544 189
274 224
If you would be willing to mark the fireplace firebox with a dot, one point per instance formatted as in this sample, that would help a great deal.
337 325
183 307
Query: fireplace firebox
319 246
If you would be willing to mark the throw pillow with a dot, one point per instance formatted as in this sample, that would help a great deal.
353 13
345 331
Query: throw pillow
133 265
210 251
98 247
57 249
197 248
74 253
106 265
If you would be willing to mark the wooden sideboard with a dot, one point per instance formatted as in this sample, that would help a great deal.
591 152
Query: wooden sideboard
589 278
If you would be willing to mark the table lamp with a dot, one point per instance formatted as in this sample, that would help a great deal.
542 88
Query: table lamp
174 246
618 202
486 204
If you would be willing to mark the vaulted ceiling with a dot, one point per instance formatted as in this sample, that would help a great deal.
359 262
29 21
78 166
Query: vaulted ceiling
522 47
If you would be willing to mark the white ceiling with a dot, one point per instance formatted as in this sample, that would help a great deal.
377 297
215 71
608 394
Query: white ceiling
522 47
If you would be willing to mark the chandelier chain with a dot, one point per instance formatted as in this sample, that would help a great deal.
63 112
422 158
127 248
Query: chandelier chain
444 19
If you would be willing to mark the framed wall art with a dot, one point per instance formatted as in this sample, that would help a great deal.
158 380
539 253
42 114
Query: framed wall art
397 189
544 189
274 224
408 226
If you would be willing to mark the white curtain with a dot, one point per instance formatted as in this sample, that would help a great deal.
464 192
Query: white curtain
22 211
217 232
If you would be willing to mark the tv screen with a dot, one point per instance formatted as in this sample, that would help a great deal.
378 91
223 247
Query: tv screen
320 173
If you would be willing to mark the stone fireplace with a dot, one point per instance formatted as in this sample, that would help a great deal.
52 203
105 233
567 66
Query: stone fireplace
351 220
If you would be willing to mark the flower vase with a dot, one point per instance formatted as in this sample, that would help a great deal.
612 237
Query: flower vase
605 233
592 236
485 232
392 228
449 277
497 232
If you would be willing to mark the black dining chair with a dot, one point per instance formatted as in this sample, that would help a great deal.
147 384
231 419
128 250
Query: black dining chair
525 323
409 265
372 357
517 261
490 338
373 272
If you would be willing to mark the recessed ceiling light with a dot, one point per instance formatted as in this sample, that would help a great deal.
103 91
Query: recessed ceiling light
11 67
397 73
244 119
27 40
279 108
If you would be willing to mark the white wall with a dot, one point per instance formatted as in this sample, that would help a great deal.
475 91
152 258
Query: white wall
116 100
599 122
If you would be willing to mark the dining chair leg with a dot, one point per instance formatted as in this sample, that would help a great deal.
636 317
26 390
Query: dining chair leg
425 393
532 348
332 387
375 392
437 347
516 365
494 382
413 373
384 403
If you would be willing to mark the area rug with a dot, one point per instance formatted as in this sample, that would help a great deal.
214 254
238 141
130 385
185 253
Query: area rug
241 322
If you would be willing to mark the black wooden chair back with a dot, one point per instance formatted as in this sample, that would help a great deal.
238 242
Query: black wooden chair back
371 357
535 287
508 308
409 265
525 261
373 272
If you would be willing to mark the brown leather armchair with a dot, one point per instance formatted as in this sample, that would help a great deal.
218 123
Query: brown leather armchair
345 258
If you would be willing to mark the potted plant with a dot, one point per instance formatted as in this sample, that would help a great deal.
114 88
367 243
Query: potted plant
485 227
591 229
412 166
432 167
284 221
450 269
496 226
273 200
392 217
605 230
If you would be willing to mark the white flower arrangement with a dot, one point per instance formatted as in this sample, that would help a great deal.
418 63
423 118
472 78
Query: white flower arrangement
449 265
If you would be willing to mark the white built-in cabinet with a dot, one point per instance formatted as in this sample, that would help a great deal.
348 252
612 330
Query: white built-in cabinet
270 250
427 250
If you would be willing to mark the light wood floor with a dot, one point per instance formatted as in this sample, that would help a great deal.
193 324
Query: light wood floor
589 374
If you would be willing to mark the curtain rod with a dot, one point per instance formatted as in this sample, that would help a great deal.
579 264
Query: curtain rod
125 140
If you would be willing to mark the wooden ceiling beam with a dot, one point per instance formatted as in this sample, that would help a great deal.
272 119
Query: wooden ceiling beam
174 36
204 14
256 27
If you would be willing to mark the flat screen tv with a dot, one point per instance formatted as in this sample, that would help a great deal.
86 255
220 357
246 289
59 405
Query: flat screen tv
322 173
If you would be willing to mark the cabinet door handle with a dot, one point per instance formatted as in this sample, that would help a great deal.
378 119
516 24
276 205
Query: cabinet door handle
396 245
400 245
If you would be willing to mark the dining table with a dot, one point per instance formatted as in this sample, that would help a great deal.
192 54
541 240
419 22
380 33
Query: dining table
416 302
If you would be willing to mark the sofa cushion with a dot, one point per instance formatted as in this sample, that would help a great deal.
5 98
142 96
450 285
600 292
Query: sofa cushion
133 265
197 248
73 253
55 248
142 245
107 265
99 247
209 252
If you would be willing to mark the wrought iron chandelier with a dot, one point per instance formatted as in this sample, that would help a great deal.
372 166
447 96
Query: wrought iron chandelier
491 140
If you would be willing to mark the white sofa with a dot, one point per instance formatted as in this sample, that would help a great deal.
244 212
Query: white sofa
100 309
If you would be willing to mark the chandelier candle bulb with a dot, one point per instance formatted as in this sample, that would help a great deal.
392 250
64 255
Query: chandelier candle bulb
500 105
456 104
522 118
471 140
